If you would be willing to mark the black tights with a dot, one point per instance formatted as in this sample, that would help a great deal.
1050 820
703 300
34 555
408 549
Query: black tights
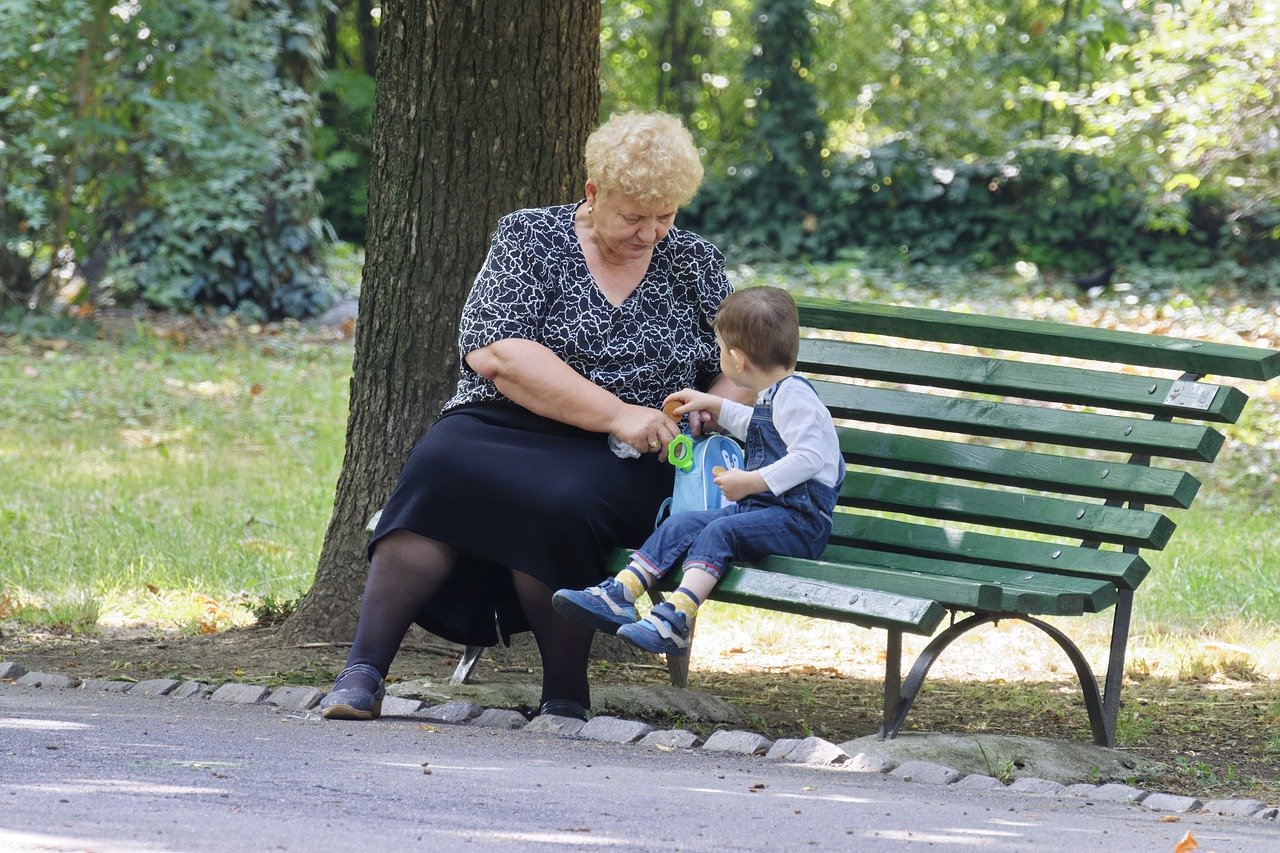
408 569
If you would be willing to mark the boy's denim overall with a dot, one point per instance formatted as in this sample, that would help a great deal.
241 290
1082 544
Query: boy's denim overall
796 523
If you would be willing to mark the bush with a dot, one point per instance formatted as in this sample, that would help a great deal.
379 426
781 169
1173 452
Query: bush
1058 208
163 151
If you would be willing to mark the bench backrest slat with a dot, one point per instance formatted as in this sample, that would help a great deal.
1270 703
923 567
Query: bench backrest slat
1124 569
1021 422
1019 468
1048 382
1012 510
1060 339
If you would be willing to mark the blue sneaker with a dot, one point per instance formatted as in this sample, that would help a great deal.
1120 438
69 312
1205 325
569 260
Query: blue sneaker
604 607
354 700
665 631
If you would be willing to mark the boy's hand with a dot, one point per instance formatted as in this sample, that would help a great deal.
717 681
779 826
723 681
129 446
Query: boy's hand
703 409
735 484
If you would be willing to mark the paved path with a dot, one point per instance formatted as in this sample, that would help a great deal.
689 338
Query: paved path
83 770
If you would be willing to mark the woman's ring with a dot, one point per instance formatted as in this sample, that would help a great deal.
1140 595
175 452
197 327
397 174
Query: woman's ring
653 445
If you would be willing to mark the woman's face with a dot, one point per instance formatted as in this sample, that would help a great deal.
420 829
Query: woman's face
627 230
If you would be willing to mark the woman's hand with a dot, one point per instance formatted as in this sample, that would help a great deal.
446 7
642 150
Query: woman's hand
647 430
735 483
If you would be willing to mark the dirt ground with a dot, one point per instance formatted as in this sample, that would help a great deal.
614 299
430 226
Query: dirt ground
1220 739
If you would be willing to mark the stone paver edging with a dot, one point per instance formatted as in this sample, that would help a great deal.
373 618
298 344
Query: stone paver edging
810 751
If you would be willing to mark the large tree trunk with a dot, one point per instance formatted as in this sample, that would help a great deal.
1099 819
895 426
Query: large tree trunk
482 107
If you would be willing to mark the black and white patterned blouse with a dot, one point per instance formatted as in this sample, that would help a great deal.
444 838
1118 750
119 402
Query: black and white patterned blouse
535 285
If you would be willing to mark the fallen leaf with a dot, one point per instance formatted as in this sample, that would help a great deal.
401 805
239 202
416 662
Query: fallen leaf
1170 818
255 389
1187 844
152 588
424 727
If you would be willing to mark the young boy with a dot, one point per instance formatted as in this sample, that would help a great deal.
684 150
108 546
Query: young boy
785 495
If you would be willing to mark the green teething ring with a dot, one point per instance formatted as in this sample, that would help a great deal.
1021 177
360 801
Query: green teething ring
680 452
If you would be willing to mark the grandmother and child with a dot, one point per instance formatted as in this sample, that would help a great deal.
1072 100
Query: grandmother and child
585 319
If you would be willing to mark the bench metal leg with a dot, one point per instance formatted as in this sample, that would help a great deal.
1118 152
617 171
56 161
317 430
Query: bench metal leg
892 679
1115 661
1088 683
466 665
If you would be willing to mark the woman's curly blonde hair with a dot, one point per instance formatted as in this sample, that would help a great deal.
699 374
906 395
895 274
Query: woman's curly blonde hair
648 157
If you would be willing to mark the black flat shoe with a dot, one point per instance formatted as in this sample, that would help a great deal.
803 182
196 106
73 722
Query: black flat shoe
564 708
352 702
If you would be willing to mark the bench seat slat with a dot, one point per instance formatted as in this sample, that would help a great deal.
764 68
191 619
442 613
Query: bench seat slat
1072 341
1021 422
1002 377
1021 468
1024 591
815 588
949 590
1123 569
1017 510
780 584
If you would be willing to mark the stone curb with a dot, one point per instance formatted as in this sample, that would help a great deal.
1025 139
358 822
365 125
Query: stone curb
925 771
1031 785
811 751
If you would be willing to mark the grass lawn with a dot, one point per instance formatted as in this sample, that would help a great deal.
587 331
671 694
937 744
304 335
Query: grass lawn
162 474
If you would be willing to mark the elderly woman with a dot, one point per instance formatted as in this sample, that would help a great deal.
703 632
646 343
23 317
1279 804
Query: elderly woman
582 320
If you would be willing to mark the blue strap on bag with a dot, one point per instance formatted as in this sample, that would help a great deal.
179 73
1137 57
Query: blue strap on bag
695 487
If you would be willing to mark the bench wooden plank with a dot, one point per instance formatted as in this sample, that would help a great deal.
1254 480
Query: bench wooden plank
815 587
779 584
1039 424
1049 382
1062 339
1021 468
1023 591
1125 570
1017 510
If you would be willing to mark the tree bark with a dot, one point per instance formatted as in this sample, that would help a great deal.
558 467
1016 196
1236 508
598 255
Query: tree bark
480 109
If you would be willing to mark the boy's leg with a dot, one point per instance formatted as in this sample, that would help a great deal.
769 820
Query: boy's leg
669 625
611 604
741 535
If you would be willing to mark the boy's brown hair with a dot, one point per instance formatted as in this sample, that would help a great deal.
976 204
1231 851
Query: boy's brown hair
763 323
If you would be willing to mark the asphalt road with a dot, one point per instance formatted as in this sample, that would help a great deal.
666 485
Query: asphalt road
95 771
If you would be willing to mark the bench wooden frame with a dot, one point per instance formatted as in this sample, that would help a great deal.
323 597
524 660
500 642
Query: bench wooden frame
1049 467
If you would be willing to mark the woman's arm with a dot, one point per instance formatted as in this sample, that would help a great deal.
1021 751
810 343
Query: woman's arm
531 375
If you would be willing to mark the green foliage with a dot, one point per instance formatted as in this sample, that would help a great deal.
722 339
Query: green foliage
1197 111
1109 130
777 186
1054 207
342 146
163 150
683 57
343 136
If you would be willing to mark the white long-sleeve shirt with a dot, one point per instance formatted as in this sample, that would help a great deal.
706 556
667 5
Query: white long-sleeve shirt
805 425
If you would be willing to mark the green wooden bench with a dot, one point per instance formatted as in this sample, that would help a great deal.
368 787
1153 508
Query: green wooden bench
982 483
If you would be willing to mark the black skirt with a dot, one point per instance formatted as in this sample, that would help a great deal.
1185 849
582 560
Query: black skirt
513 491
